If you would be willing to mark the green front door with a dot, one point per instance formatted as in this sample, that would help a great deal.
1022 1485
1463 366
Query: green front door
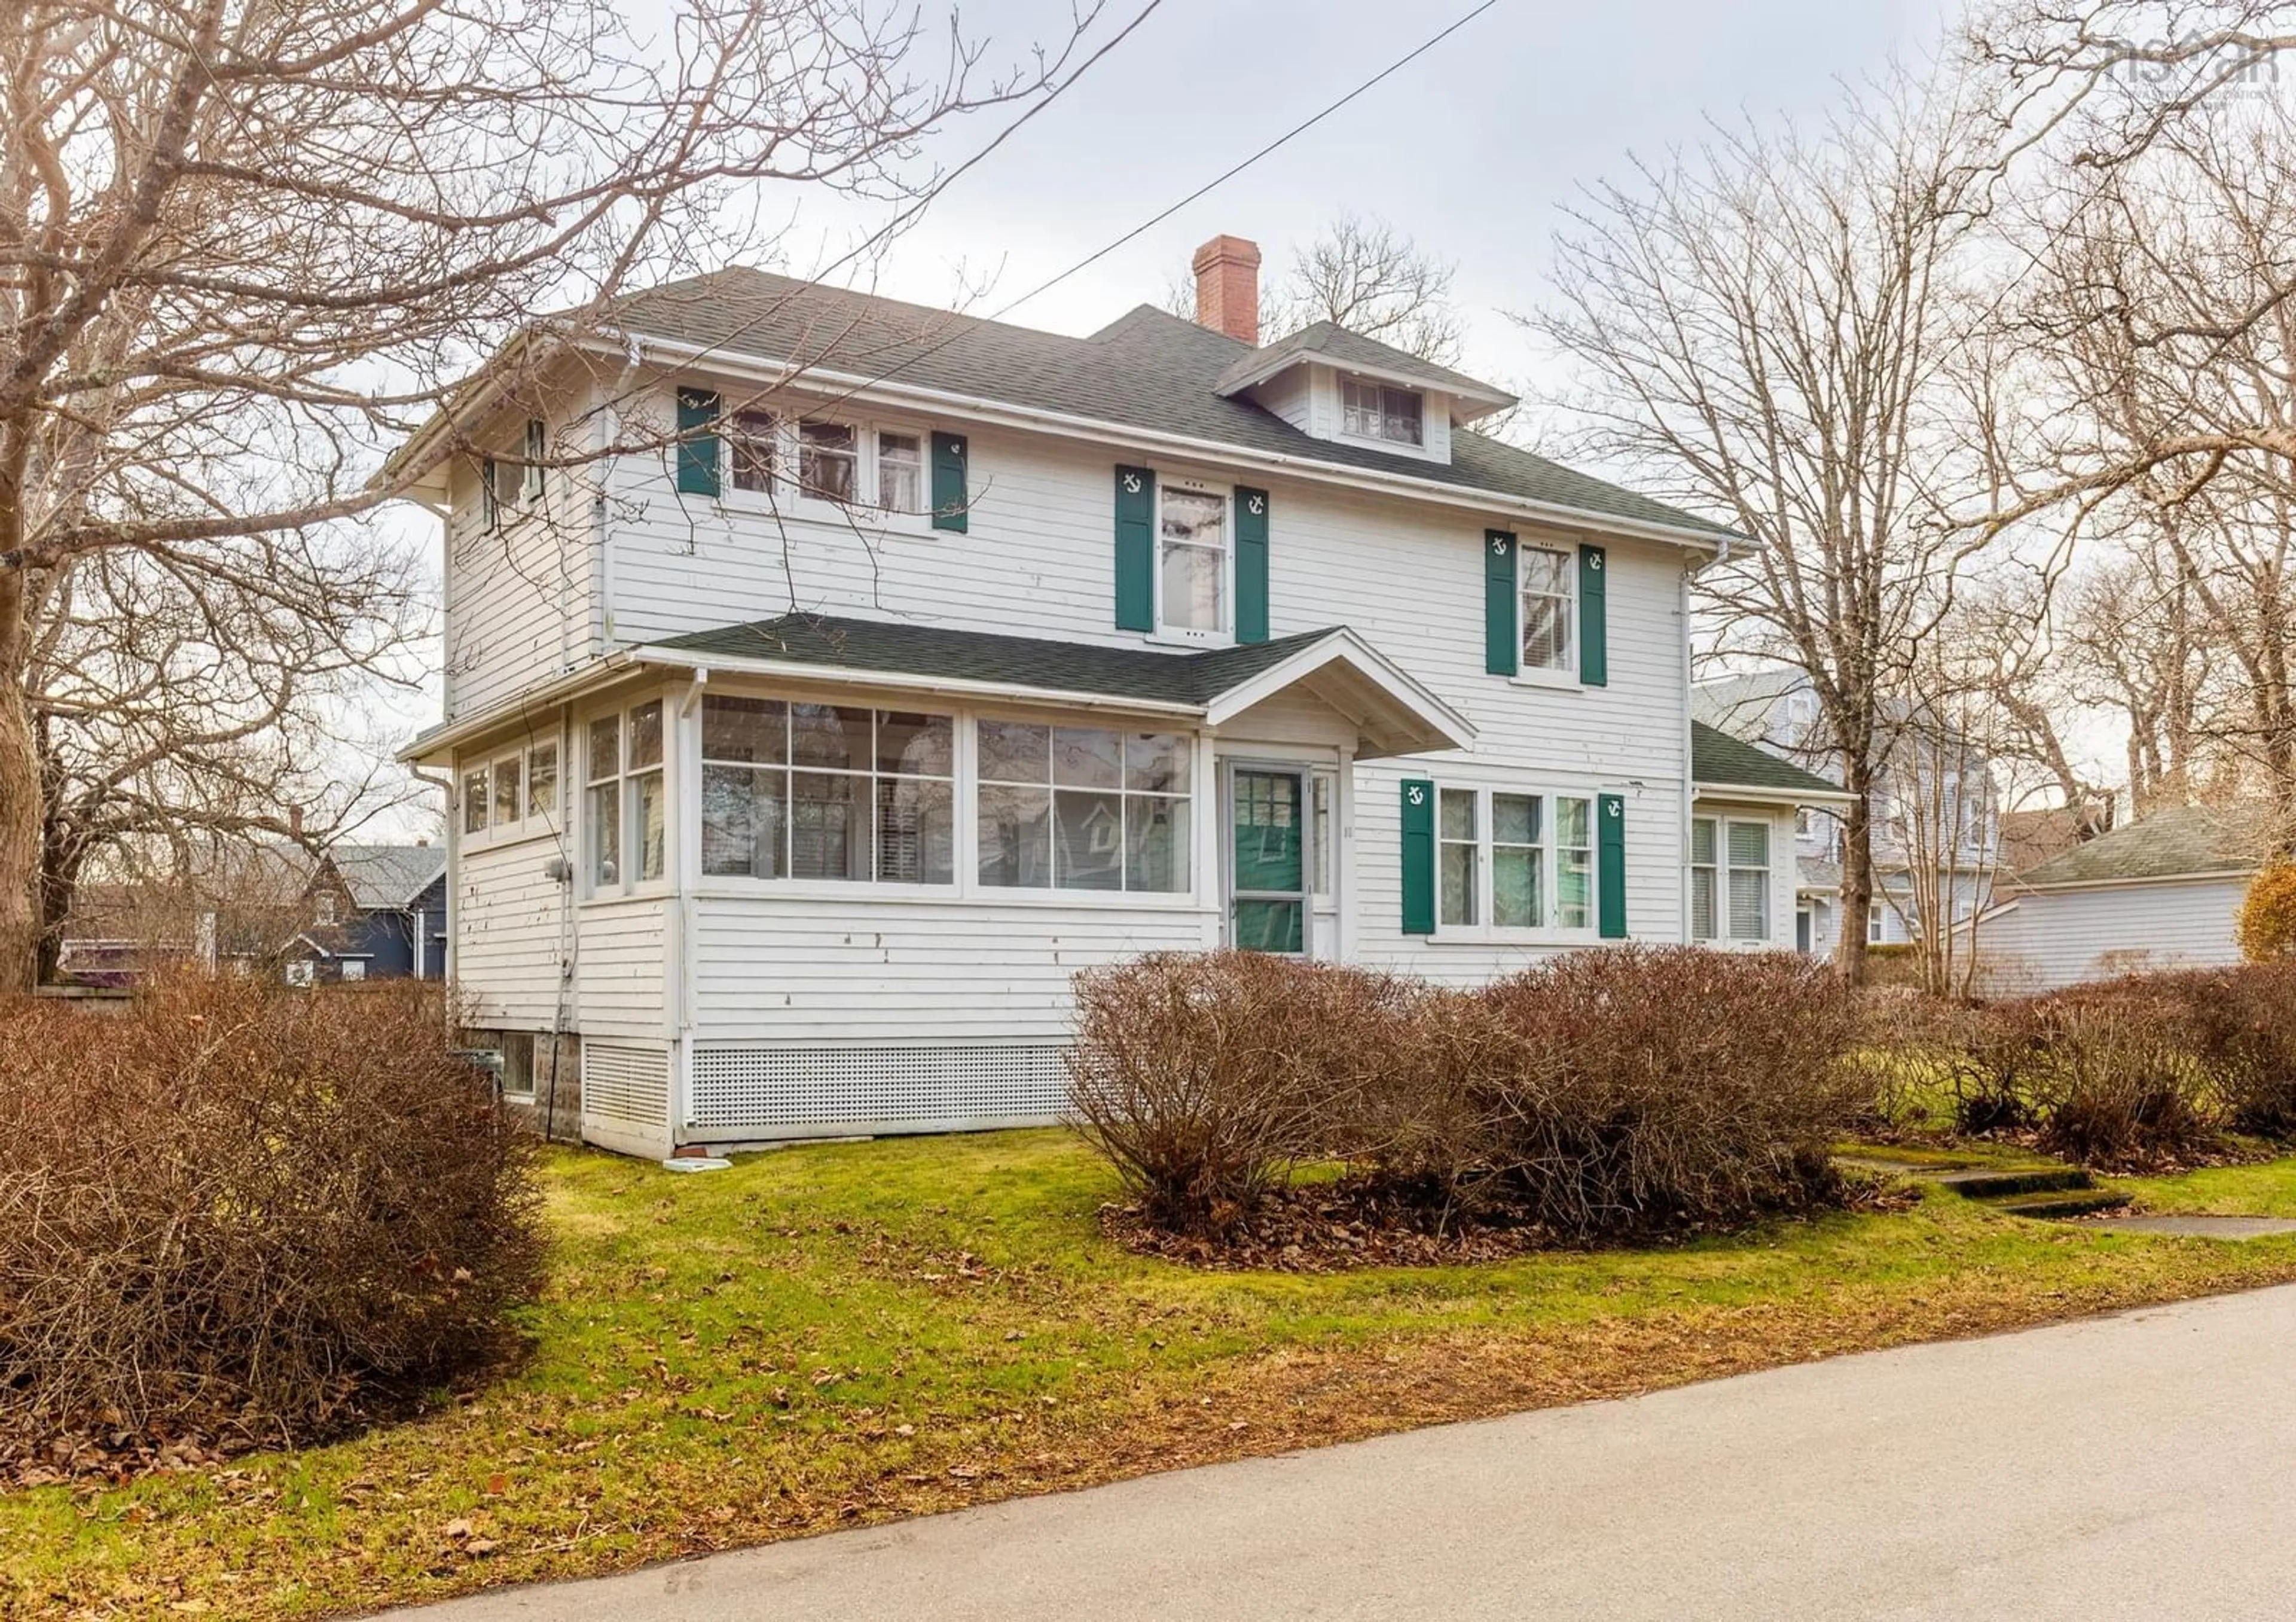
1267 858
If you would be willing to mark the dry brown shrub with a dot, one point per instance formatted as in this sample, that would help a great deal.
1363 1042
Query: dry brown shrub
245 1210
2119 1084
1206 1078
1656 1087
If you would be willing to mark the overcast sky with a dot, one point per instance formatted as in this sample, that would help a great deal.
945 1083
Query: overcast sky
1471 149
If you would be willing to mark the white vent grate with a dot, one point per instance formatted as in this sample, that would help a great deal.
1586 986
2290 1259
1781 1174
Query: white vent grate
621 1083
752 1087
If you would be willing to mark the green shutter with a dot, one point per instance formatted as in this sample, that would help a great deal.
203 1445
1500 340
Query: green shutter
1502 645
1135 548
1611 865
697 451
1251 565
1594 634
1418 856
950 499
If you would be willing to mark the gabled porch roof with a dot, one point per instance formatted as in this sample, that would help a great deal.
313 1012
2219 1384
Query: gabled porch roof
1392 712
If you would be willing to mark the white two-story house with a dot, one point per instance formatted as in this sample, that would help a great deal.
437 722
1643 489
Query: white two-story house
801 759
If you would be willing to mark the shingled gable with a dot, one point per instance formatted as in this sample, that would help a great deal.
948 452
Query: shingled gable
1147 370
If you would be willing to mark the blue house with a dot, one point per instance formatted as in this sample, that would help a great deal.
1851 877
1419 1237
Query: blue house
373 912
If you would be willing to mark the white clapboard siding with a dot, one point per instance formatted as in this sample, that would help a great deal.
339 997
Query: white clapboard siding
622 966
783 970
520 602
2062 937
509 932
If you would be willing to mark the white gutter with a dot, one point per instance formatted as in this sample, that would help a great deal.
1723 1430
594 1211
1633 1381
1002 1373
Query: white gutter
1061 424
2069 884
432 744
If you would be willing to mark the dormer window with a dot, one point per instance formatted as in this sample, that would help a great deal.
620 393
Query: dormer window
1370 411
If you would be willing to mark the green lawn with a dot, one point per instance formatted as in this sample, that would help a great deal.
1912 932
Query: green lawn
842 1334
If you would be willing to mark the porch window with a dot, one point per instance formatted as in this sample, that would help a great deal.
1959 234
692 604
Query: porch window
826 791
507 797
474 801
1729 880
605 801
1548 581
1191 560
1750 881
649 806
1082 808
1514 862
542 780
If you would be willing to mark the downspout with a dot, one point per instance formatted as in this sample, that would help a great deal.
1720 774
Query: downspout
684 926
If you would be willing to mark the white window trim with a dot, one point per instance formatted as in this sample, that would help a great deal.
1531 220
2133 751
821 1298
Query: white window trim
529 823
788 497
1180 636
967 887
1483 932
626 884
1564 676
1722 868
1411 448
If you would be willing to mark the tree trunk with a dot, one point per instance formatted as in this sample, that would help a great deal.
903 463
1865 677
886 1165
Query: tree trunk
20 819
1856 869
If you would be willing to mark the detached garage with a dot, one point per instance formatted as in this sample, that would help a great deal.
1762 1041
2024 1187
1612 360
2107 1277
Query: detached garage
2161 893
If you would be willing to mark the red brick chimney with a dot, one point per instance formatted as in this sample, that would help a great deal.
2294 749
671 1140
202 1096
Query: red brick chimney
1228 288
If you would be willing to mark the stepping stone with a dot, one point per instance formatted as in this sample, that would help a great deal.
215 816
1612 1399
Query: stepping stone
2202 1227
1997 1182
2060 1204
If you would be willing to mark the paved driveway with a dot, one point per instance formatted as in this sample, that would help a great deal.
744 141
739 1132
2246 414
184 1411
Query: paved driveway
2142 1466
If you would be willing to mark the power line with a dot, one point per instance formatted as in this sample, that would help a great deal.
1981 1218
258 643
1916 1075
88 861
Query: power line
1300 129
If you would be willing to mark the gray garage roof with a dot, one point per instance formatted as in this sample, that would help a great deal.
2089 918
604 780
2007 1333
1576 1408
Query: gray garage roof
2174 842
1148 369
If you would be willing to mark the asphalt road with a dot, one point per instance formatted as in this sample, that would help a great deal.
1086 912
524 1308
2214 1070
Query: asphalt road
2140 1465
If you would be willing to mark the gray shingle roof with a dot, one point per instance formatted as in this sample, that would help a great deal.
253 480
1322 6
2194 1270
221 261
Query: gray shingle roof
2171 843
1022 662
1147 370
1719 761
1816 873
1328 341
383 875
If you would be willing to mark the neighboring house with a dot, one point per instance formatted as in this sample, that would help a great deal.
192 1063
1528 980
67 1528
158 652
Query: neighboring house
2163 892
1937 824
798 770
373 912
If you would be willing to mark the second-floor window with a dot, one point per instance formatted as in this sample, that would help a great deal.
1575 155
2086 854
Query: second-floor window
828 460
1546 579
1373 411
900 472
751 436
1192 569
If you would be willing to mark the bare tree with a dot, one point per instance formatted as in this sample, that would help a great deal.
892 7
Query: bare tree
244 246
1765 329
1363 274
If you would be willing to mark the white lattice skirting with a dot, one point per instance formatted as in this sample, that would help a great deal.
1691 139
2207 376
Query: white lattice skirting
757 1090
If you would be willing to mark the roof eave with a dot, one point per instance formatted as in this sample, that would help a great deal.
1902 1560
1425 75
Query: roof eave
1703 789
1437 725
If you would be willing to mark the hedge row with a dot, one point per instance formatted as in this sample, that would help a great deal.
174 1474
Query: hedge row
1604 1092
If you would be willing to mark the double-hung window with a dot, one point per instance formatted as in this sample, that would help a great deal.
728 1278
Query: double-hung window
1546 580
753 438
901 472
1729 880
1514 862
1370 411
1082 808
1192 568
826 791
828 460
